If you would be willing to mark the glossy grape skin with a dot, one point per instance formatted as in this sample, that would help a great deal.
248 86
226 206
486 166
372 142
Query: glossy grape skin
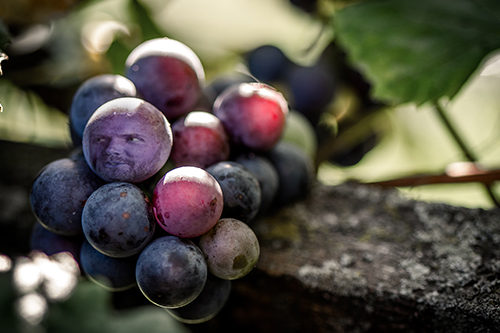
127 140
231 249
187 201
295 170
117 220
253 114
241 190
168 74
113 274
207 305
200 140
171 271
50 243
91 94
267 176
59 194
223 81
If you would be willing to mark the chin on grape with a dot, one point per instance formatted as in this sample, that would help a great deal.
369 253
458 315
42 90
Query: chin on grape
127 140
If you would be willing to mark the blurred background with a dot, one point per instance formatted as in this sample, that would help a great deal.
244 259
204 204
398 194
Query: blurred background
54 46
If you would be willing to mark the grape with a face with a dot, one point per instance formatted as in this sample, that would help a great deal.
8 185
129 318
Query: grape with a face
93 93
171 272
127 140
200 140
253 114
207 305
265 173
187 201
59 193
113 274
168 74
231 249
117 220
295 170
240 189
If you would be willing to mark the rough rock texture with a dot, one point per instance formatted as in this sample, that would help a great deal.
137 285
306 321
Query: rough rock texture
354 258
348 258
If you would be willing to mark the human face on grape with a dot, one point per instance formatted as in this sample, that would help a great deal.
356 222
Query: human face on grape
123 147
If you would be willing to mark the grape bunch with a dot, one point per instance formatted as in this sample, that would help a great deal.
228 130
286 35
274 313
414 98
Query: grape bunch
162 188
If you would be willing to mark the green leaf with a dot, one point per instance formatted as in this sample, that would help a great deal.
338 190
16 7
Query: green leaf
26 118
418 51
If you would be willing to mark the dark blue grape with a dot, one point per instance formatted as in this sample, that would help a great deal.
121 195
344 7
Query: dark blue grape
118 220
171 271
207 305
50 243
267 63
60 192
312 89
265 172
240 189
295 170
113 274
92 94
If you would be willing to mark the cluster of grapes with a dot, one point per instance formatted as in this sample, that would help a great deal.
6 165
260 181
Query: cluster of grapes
159 147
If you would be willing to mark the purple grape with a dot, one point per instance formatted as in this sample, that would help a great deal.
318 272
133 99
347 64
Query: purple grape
187 201
231 249
265 173
253 114
59 194
93 93
50 243
171 272
113 274
241 190
207 305
118 220
295 170
200 140
168 74
127 140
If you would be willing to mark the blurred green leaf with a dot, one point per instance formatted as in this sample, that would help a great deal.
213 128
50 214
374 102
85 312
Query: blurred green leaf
4 35
26 118
418 51
142 17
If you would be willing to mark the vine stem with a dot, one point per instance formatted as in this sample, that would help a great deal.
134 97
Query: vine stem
441 113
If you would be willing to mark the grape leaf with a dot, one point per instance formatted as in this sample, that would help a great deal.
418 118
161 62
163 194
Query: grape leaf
418 51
